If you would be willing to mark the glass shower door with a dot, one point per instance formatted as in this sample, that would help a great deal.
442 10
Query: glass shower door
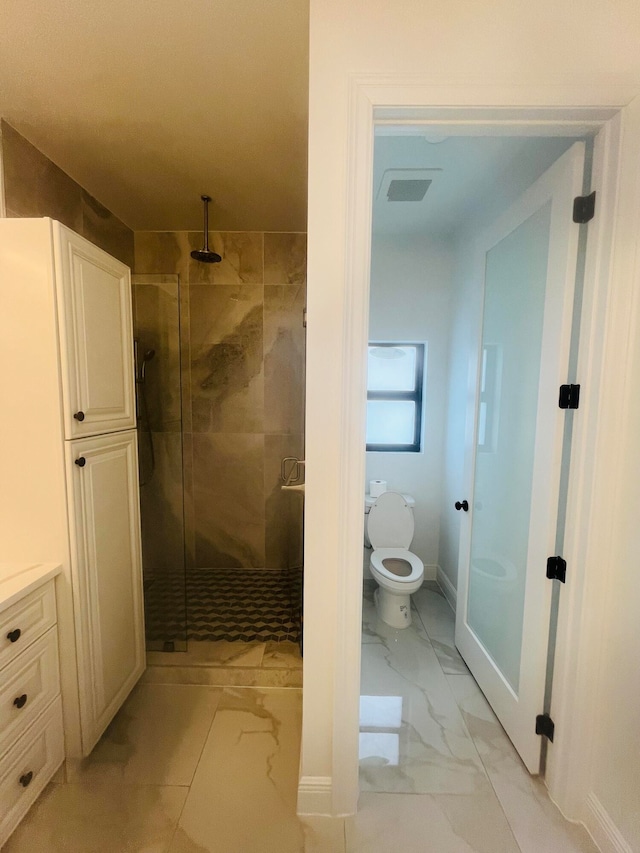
156 303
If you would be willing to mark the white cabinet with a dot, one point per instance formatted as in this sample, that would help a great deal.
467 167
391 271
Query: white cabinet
94 308
105 526
66 347
31 730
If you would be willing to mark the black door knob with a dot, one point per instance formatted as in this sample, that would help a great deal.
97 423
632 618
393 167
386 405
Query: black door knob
79 416
20 701
462 505
14 635
25 780
81 462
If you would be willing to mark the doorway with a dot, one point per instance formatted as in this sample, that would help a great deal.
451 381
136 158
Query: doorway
438 202
369 96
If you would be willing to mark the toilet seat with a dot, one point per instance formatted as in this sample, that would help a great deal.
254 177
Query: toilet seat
379 555
390 522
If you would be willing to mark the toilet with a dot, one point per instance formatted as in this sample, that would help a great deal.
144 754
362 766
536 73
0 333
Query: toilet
389 529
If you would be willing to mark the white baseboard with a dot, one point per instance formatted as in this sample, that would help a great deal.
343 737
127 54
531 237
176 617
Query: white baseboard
602 828
315 795
447 587
430 573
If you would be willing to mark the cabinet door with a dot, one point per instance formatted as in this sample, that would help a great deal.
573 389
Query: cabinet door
107 575
96 337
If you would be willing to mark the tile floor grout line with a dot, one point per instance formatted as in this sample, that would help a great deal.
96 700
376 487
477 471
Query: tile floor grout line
488 775
197 764
447 676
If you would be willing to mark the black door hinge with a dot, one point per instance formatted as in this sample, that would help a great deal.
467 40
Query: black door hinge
545 726
584 208
557 569
569 396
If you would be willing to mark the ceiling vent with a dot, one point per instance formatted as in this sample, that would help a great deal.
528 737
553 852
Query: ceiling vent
412 190
406 184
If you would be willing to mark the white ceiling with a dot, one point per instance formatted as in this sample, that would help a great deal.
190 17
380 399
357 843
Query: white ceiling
477 172
149 103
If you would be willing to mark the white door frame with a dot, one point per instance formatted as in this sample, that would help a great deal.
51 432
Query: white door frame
531 110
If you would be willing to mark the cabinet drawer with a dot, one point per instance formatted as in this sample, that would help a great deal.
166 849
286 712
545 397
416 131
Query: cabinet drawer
28 766
27 685
25 621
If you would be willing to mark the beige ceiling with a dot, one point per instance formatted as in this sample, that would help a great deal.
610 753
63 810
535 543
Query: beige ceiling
149 103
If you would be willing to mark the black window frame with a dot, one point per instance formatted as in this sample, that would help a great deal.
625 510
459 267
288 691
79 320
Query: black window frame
415 395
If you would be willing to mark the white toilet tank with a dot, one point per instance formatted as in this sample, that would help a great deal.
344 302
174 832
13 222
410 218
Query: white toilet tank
369 502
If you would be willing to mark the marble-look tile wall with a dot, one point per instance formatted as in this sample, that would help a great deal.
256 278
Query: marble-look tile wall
34 186
242 350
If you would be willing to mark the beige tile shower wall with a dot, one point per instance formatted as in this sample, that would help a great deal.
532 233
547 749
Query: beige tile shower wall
34 186
243 391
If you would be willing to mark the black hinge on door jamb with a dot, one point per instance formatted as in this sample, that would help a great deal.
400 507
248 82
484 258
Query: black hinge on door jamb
545 726
569 397
584 208
557 569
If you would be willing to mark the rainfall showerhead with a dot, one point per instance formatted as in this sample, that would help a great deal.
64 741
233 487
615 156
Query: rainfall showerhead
205 255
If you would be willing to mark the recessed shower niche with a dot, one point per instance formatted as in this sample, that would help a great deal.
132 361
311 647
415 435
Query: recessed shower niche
220 396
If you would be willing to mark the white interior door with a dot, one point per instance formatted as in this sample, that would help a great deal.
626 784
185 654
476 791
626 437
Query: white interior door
529 261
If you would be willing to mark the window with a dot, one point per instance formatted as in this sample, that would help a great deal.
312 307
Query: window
394 396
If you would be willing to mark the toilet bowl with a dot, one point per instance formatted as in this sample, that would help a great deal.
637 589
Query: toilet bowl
397 571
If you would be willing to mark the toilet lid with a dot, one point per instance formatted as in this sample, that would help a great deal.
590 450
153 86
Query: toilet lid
390 522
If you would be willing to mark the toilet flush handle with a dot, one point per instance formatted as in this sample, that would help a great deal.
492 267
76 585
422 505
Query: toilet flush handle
462 505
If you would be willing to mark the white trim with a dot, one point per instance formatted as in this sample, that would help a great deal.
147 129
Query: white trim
3 205
597 462
449 590
315 796
430 572
365 94
602 829
346 698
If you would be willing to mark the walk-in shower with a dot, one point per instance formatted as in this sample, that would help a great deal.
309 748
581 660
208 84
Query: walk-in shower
156 303
219 380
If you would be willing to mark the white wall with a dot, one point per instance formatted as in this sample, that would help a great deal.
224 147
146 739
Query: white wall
410 295
497 42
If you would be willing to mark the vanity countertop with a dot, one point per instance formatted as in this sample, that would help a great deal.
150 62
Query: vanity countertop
19 579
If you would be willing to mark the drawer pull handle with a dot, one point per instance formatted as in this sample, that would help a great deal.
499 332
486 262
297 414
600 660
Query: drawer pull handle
79 416
20 701
25 780
80 461
14 636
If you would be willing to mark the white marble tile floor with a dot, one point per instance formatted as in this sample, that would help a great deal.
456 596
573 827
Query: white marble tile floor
228 664
437 771
195 768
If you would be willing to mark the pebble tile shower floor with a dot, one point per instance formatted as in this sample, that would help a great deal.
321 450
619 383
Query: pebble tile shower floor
223 604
